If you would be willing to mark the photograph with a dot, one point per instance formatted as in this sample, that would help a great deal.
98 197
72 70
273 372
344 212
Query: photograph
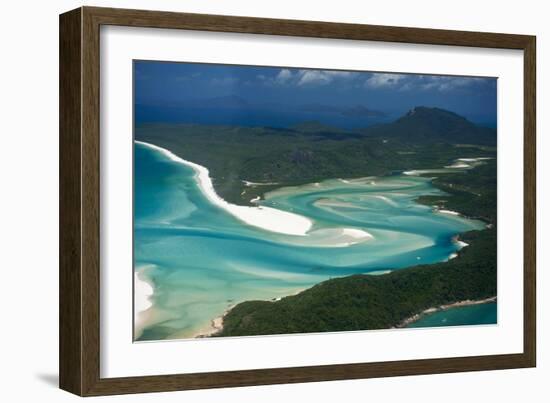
277 200
249 200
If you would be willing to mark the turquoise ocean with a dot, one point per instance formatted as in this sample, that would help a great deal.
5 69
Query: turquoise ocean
201 260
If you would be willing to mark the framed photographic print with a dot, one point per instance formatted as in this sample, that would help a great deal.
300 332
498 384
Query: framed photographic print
249 201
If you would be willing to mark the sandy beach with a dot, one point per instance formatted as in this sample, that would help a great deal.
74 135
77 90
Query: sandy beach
253 184
459 243
143 291
216 325
450 212
453 256
269 218
263 217
458 164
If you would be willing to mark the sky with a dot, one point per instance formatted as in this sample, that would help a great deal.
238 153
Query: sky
170 83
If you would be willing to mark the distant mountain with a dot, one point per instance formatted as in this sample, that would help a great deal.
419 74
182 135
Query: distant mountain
433 125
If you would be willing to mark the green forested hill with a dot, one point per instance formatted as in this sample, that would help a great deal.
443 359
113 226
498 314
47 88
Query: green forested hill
311 152
432 125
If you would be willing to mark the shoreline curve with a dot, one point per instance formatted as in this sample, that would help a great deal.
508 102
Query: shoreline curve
263 217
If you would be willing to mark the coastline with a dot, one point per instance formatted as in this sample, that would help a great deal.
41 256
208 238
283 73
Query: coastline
428 311
459 164
143 292
270 219
267 218
216 324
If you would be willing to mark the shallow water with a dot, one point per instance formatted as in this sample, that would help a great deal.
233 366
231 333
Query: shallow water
201 259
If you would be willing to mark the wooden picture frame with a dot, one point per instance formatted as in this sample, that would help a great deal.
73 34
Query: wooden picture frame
80 199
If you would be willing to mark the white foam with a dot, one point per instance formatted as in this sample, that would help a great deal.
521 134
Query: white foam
263 217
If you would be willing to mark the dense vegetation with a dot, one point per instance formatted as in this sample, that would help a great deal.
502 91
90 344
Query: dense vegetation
310 152
472 193
362 302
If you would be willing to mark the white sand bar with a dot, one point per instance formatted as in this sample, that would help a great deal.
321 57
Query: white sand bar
340 237
267 218
450 212
143 291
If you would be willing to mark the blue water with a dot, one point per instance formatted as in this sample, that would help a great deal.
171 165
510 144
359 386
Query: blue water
482 314
202 260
